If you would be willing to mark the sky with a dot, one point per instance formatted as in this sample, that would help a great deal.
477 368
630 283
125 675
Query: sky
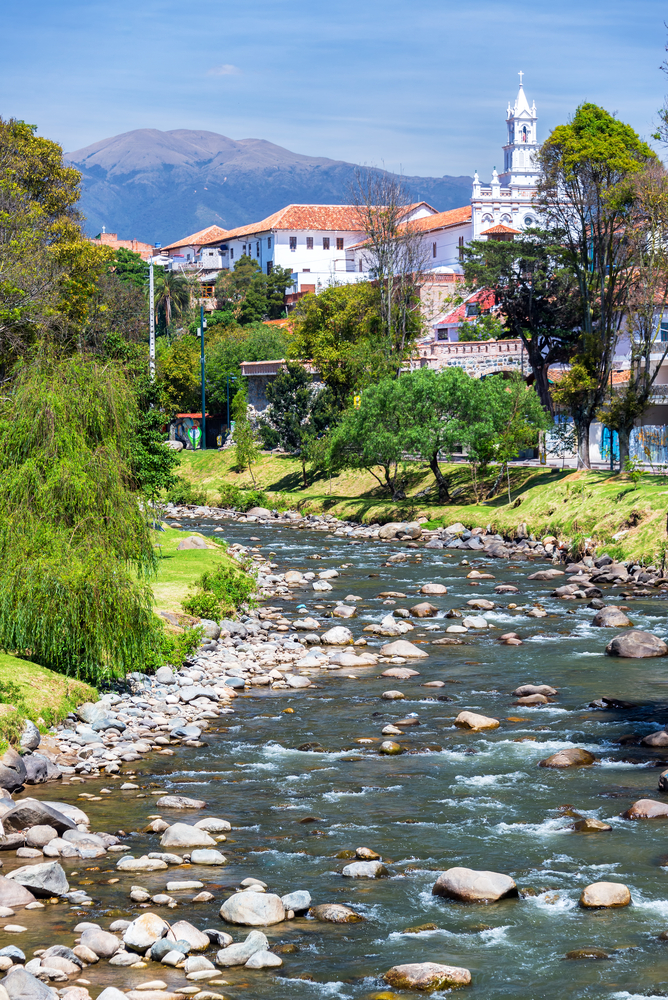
420 87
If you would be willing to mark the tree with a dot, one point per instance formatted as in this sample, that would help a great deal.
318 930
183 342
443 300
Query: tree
117 307
536 295
394 252
647 301
131 268
587 196
341 332
246 450
172 296
74 543
227 346
300 411
180 376
249 295
375 436
442 409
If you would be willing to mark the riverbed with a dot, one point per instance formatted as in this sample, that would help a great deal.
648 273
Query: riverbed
477 800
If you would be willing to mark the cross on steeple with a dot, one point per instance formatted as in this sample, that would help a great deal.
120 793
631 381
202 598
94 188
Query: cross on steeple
521 74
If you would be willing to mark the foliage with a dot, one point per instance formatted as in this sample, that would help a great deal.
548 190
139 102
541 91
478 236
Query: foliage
245 444
633 469
232 586
485 327
177 647
588 196
205 604
228 346
300 411
180 378
249 295
241 499
341 332
536 294
130 268
183 494
171 297
74 540
116 309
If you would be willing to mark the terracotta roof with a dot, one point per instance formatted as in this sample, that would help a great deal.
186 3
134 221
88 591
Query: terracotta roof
620 377
484 298
499 230
212 234
145 250
341 218
454 217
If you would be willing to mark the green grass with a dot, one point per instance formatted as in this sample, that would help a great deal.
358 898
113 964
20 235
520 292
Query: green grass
28 691
571 505
179 571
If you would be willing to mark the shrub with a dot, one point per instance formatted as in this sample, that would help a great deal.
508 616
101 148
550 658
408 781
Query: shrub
204 605
184 494
230 586
241 499
176 647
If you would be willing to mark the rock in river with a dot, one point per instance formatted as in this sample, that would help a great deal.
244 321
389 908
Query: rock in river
605 894
427 976
13 894
21 985
469 886
610 617
423 610
43 880
31 812
298 901
182 835
637 645
470 720
366 869
238 954
401 647
527 689
401 673
335 913
143 932
590 825
575 757
102 943
180 802
254 909
337 636
433 588
646 809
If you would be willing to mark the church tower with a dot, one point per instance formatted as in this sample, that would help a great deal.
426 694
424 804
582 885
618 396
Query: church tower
520 160
508 201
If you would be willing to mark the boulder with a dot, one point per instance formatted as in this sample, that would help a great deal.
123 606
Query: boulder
165 675
605 894
143 864
73 813
37 769
481 604
657 739
182 930
180 802
532 699
12 771
238 954
426 976
390 748
321 585
102 943
21 985
31 736
575 757
366 869
636 645
258 512
43 880
434 589
590 952
204 856
506 588
143 932
470 886
31 812
526 689
401 647
610 617
337 636
253 909
401 673
264 960
298 901
470 720
13 894
111 993
344 611
334 913
590 825
646 809
182 835
40 836
546 574
424 610
192 542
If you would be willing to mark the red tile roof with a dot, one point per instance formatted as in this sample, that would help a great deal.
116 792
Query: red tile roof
335 218
454 217
500 229
212 234
484 298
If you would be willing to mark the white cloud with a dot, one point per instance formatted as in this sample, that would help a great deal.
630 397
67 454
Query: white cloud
227 69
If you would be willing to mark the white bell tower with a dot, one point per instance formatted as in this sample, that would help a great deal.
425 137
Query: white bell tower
520 166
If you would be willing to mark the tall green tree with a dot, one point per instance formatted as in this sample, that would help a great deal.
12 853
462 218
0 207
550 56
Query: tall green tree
246 451
300 411
250 295
130 267
587 196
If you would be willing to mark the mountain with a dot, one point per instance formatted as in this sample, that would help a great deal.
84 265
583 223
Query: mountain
159 186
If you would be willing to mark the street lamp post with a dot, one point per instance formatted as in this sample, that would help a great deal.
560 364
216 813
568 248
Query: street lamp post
201 358
151 321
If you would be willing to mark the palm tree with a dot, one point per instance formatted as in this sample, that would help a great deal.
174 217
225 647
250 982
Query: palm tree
172 295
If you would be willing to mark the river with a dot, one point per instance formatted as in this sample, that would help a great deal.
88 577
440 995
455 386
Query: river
477 800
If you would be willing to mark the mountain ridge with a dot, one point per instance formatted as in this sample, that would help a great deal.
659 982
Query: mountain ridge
159 186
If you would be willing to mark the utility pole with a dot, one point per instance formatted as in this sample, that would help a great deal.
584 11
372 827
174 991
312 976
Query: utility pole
201 358
151 321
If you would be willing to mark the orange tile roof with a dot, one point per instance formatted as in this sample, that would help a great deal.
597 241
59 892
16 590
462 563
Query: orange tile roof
454 217
499 229
212 234
337 218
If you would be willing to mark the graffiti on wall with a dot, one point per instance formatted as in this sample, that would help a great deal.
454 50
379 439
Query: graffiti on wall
187 430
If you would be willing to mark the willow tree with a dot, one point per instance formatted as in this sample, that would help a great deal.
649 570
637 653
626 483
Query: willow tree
74 538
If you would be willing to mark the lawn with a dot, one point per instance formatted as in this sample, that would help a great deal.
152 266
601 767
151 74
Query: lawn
35 693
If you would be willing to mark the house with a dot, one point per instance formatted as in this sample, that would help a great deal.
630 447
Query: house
145 250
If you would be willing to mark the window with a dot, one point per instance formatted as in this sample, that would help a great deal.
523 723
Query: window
472 309
433 249
268 242
339 242
325 243
360 263
293 242
232 253
461 248
243 249
257 249
528 221
442 334
309 242
307 270
270 265
664 332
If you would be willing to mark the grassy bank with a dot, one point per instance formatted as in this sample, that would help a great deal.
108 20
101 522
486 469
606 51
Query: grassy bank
570 505
179 571
28 691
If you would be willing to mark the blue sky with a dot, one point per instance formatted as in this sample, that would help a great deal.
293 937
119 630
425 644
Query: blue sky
420 86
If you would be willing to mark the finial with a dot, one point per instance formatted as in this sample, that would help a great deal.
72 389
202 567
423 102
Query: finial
104 229
521 74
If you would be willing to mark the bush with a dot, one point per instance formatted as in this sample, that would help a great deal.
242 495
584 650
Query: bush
184 494
204 605
269 436
230 586
241 499
176 647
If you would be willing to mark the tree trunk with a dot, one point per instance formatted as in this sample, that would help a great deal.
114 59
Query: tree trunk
624 446
542 386
583 445
396 490
441 481
304 480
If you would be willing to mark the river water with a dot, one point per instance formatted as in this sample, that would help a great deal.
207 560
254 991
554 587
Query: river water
477 800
